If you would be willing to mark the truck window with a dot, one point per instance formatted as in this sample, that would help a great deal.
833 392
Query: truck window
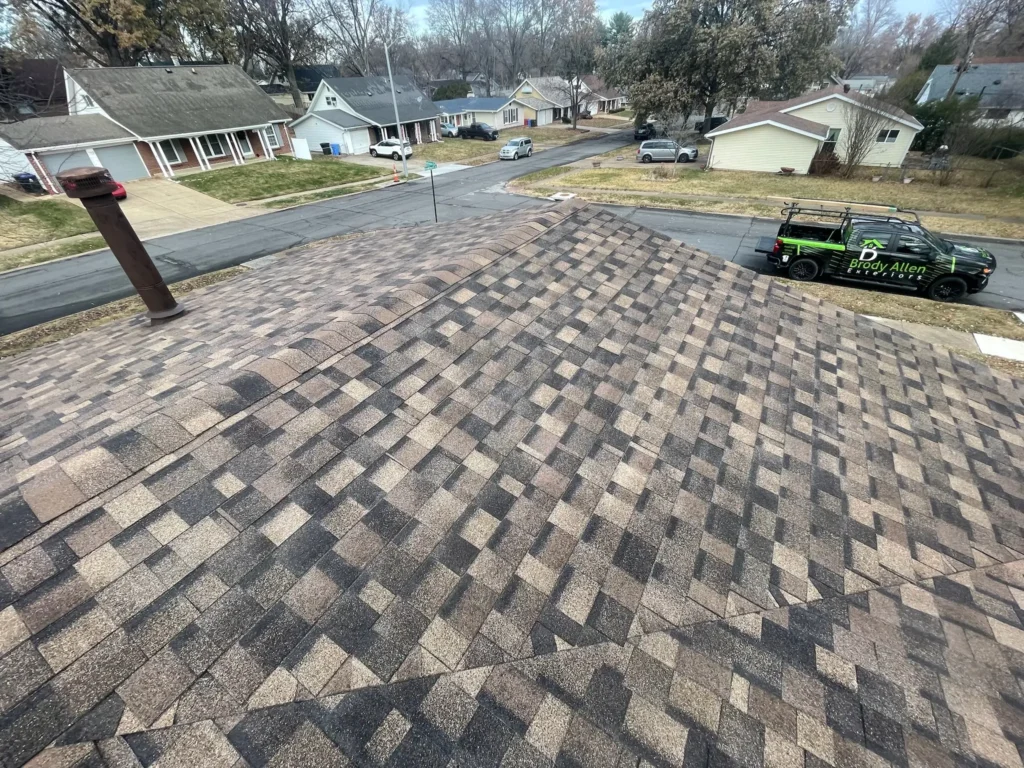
867 237
913 245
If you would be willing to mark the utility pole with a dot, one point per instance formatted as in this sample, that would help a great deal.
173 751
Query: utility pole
398 124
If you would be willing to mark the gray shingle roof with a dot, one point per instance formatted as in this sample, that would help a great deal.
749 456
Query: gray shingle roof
60 131
337 117
157 101
1000 85
534 103
750 119
553 89
371 98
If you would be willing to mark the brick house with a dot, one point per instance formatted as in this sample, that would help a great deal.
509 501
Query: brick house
148 121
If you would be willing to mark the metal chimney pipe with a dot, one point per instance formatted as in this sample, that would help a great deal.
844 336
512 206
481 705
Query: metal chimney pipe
94 187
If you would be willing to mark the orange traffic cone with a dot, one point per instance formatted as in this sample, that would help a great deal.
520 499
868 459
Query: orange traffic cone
394 171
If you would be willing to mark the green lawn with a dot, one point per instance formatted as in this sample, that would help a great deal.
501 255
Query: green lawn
281 177
453 150
327 194
25 223
50 252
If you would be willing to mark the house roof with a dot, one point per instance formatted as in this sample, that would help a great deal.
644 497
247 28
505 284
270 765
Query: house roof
553 89
371 98
469 104
308 78
549 469
336 117
61 131
153 102
779 119
1001 85
534 103
779 110
596 84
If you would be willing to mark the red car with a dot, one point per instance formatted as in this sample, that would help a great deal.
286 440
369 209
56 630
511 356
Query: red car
119 191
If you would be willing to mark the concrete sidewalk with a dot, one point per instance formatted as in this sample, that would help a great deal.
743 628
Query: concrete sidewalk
982 343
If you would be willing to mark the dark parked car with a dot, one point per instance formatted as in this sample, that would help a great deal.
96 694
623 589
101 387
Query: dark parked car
644 132
704 126
585 115
478 131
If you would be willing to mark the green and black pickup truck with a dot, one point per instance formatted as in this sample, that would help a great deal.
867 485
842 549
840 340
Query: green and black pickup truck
891 250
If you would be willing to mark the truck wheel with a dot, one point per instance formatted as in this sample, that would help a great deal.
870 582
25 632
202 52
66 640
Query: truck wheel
947 289
804 270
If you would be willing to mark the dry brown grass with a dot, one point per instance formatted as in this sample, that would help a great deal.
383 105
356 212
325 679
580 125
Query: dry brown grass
957 317
62 328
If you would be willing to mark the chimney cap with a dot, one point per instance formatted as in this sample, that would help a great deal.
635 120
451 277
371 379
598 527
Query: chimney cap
86 182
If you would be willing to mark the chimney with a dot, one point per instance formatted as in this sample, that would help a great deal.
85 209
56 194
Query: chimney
846 87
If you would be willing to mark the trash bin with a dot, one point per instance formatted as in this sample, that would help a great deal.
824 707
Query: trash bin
325 147
29 182
533 123
335 149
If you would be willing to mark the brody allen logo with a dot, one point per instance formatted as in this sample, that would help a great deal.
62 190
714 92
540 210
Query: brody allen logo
867 264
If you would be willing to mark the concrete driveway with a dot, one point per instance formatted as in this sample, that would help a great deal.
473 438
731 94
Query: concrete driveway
158 207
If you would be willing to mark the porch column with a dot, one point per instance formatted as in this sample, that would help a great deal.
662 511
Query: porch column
268 153
433 130
198 150
236 150
162 158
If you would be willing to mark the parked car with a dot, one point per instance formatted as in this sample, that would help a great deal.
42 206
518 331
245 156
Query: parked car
449 130
119 192
516 148
705 126
891 250
585 114
645 131
478 131
391 148
665 151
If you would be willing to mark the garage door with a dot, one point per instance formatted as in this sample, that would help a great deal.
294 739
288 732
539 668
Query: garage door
62 161
123 162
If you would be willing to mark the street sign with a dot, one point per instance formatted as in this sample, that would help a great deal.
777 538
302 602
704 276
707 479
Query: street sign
429 165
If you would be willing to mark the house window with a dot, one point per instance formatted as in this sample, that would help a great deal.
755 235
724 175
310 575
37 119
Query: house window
831 141
86 100
510 116
212 145
887 137
273 137
332 101
172 151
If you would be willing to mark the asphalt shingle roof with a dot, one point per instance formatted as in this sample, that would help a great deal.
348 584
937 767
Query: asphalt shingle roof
340 118
1000 85
371 98
751 119
160 101
580 496
453 106
553 89
61 130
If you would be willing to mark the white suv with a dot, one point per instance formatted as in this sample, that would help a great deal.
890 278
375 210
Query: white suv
391 148
516 148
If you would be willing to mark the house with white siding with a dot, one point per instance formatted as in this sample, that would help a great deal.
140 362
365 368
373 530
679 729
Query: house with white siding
998 84
354 113
501 112
771 135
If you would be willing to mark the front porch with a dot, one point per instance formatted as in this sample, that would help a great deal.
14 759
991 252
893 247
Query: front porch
174 155
417 132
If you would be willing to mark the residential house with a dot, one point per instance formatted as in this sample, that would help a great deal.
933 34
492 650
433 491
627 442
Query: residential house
553 90
998 84
307 78
501 112
771 135
604 98
869 85
357 112
148 121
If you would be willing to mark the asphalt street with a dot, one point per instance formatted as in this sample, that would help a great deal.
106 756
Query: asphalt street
48 291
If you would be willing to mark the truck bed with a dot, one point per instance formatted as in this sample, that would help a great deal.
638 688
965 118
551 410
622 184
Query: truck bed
809 230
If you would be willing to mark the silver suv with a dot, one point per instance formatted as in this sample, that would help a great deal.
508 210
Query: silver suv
516 148
665 151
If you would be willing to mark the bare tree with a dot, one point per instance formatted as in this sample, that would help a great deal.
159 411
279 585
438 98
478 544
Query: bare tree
549 17
863 124
860 43
454 23
577 46
974 19
283 33
514 21
359 29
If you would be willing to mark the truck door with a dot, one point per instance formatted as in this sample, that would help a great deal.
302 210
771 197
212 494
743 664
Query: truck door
867 254
914 260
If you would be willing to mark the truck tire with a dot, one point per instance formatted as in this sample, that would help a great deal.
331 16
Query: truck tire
949 288
804 270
